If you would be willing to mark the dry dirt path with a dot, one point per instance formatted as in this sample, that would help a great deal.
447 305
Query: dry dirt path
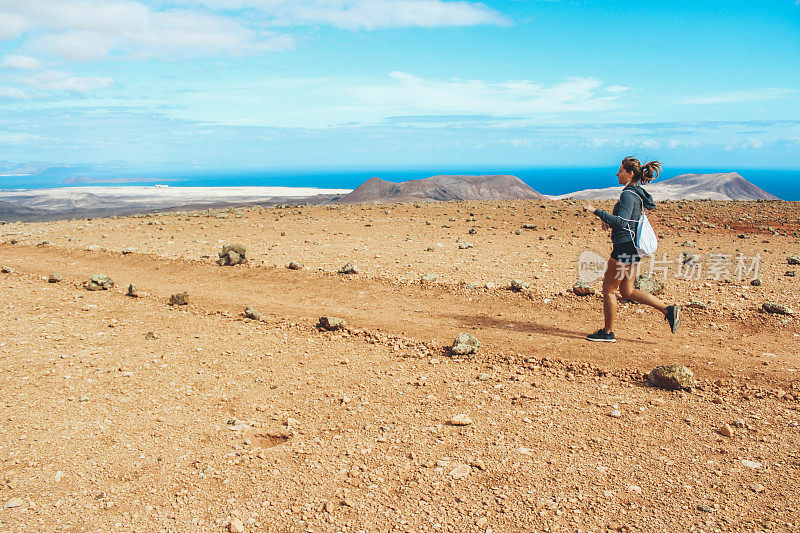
507 323
221 424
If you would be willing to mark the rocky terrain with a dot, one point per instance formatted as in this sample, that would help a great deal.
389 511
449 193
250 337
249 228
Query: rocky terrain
171 372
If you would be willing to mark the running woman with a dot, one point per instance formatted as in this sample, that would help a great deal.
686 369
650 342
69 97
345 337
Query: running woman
623 221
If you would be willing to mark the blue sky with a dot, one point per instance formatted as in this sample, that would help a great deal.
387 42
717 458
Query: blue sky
260 84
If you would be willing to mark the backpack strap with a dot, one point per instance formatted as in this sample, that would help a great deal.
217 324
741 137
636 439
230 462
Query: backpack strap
641 214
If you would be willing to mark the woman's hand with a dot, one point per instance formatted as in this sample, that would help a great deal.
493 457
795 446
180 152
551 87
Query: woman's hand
589 208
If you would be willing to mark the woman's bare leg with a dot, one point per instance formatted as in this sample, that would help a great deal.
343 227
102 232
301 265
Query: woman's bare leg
615 273
628 291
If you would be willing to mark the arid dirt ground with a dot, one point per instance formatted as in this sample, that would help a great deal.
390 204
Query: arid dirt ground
221 421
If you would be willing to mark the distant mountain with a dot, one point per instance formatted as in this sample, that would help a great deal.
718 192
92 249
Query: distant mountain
26 169
442 189
720 186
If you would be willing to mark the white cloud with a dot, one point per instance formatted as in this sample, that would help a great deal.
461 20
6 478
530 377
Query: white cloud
76 45
11 25
410 94
12 93
20 63
18 138
368 14
738 97
88 30
91 29
53 80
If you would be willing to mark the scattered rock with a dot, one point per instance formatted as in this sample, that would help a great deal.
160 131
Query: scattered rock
465 344
236 526
582 289
132 292
697 304
13 502
756 282
55 277
461 471
232 254
149 336
519 285
757 487
7 269
428 278
98 282
465 245
776 308
461 420
616 413
690 258
751 464
179 299
649 284
331 323
790 273
672 377
793 259
252 314
294 265
704 508
472 231
726 430
349 268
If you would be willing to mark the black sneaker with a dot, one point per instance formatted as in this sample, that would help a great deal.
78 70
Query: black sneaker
673 317
601 336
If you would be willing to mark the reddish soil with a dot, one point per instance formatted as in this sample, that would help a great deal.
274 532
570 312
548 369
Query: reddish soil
139 428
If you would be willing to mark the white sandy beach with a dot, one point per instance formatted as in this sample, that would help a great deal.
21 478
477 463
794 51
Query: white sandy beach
152 197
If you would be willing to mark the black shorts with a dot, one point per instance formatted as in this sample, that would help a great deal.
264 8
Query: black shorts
625 253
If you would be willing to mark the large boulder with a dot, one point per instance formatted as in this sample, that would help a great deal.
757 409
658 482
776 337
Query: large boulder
519 285
252 314
331 323
582 289
649 284
776 308
181 298
465 344
349 268
232 254
98 282
672 377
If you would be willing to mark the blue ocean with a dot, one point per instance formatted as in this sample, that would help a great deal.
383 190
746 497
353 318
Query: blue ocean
784 184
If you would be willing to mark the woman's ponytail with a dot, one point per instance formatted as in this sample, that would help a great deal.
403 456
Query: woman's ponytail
642 174
650 171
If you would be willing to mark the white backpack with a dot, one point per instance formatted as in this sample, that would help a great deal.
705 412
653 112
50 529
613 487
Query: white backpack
645 239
